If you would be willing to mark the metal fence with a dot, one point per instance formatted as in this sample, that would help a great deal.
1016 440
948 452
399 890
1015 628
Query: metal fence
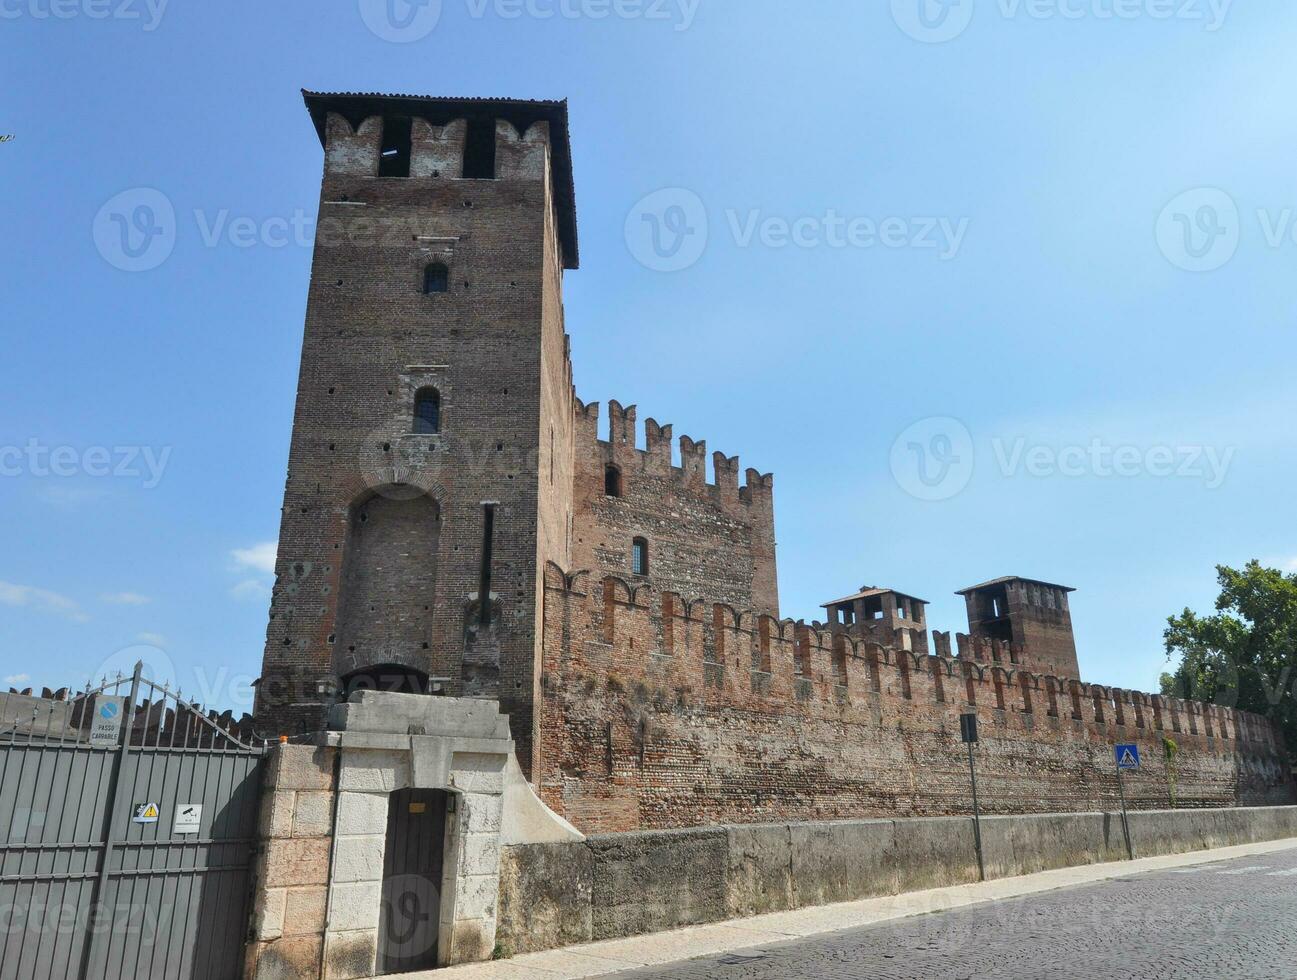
127 825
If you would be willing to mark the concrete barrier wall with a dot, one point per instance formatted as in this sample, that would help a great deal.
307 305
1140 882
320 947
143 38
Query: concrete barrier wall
554 895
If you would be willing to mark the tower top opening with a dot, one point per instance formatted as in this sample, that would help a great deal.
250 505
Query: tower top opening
356 107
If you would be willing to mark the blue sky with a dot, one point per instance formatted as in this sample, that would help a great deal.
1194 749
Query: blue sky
1018 302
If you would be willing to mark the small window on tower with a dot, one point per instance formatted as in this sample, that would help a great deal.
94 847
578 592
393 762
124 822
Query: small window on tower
639 556
612 481
397 143
427 412
436 279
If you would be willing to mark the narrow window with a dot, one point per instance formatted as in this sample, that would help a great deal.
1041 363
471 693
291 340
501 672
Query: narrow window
612 481
395 158
436 279
639 556
427 412
484 582
479 150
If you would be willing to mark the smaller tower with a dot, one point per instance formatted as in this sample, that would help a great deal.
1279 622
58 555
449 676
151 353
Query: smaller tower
884 616
1029 614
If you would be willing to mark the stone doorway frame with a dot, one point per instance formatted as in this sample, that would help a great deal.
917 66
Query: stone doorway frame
390 742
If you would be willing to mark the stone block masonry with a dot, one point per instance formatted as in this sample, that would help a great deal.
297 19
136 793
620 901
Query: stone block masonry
554 895
292 867
334 859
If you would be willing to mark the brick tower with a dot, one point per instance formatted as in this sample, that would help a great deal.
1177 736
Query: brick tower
1032 615
430 470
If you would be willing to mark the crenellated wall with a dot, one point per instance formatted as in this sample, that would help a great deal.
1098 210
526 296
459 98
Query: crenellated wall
715 536
659 711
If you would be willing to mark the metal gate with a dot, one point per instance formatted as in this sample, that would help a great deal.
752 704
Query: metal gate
127 824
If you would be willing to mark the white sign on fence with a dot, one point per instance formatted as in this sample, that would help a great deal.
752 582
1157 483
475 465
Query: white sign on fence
189 818
106 724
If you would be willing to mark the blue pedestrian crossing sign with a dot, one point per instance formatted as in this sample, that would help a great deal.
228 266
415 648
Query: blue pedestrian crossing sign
1127 756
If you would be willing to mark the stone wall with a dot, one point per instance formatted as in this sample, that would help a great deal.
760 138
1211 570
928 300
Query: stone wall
291 878
661 712
326 868
554 895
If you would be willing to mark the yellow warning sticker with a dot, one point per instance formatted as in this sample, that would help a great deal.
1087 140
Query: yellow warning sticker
146 813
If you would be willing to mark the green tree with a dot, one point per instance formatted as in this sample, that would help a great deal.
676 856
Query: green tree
1245 655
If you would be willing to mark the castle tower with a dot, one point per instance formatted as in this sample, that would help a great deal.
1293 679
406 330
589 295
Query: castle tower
1029 614
430 470
882 616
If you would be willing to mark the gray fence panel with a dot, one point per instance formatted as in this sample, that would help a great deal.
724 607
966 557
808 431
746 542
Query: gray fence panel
51 802
86 891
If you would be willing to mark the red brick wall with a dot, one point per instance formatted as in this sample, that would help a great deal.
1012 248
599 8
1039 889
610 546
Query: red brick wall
652 717
715 537
493 345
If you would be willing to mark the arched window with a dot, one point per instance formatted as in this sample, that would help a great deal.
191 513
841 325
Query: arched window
639 556
427 412
436 279
611 481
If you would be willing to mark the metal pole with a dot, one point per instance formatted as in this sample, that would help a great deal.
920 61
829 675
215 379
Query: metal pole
977 817
96 918
1125 824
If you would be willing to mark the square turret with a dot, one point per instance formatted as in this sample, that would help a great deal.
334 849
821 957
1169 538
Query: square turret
1030 614
884 616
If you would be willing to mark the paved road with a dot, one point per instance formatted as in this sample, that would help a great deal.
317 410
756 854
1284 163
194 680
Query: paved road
1236 919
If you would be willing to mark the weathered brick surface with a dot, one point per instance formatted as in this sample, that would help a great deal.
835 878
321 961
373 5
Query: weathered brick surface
668 699
638 737
704 538
381 541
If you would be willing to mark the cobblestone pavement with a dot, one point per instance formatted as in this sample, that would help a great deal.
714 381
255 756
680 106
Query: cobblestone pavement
1236 919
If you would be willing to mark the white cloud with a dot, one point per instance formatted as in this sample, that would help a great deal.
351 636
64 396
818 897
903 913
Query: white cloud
15 679
126 599
251 589
41 600
152 639
260 557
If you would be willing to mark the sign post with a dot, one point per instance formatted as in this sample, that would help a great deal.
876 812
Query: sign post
1127 758
968 732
